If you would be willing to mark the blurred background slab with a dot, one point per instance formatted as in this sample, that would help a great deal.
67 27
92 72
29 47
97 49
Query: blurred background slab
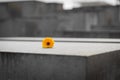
40 19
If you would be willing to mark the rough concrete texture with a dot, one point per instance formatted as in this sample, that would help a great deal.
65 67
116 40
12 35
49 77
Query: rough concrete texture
104 66
26 60
16 66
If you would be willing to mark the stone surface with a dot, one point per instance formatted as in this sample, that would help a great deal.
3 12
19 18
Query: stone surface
27 60
68 46
17 66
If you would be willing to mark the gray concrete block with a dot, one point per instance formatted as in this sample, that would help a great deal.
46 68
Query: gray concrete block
104 66
77 60
17 66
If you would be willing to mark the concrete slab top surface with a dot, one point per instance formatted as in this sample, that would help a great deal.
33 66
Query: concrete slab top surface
60 48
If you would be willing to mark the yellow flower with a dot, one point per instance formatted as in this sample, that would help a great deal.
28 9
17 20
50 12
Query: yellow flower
47 42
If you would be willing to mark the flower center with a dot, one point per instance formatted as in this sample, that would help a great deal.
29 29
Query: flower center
48 43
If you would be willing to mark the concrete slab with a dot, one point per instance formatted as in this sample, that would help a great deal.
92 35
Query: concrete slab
62 46
57 39
70 59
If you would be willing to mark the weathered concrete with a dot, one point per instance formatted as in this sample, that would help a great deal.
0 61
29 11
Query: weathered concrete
104 66
18 66
77 60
